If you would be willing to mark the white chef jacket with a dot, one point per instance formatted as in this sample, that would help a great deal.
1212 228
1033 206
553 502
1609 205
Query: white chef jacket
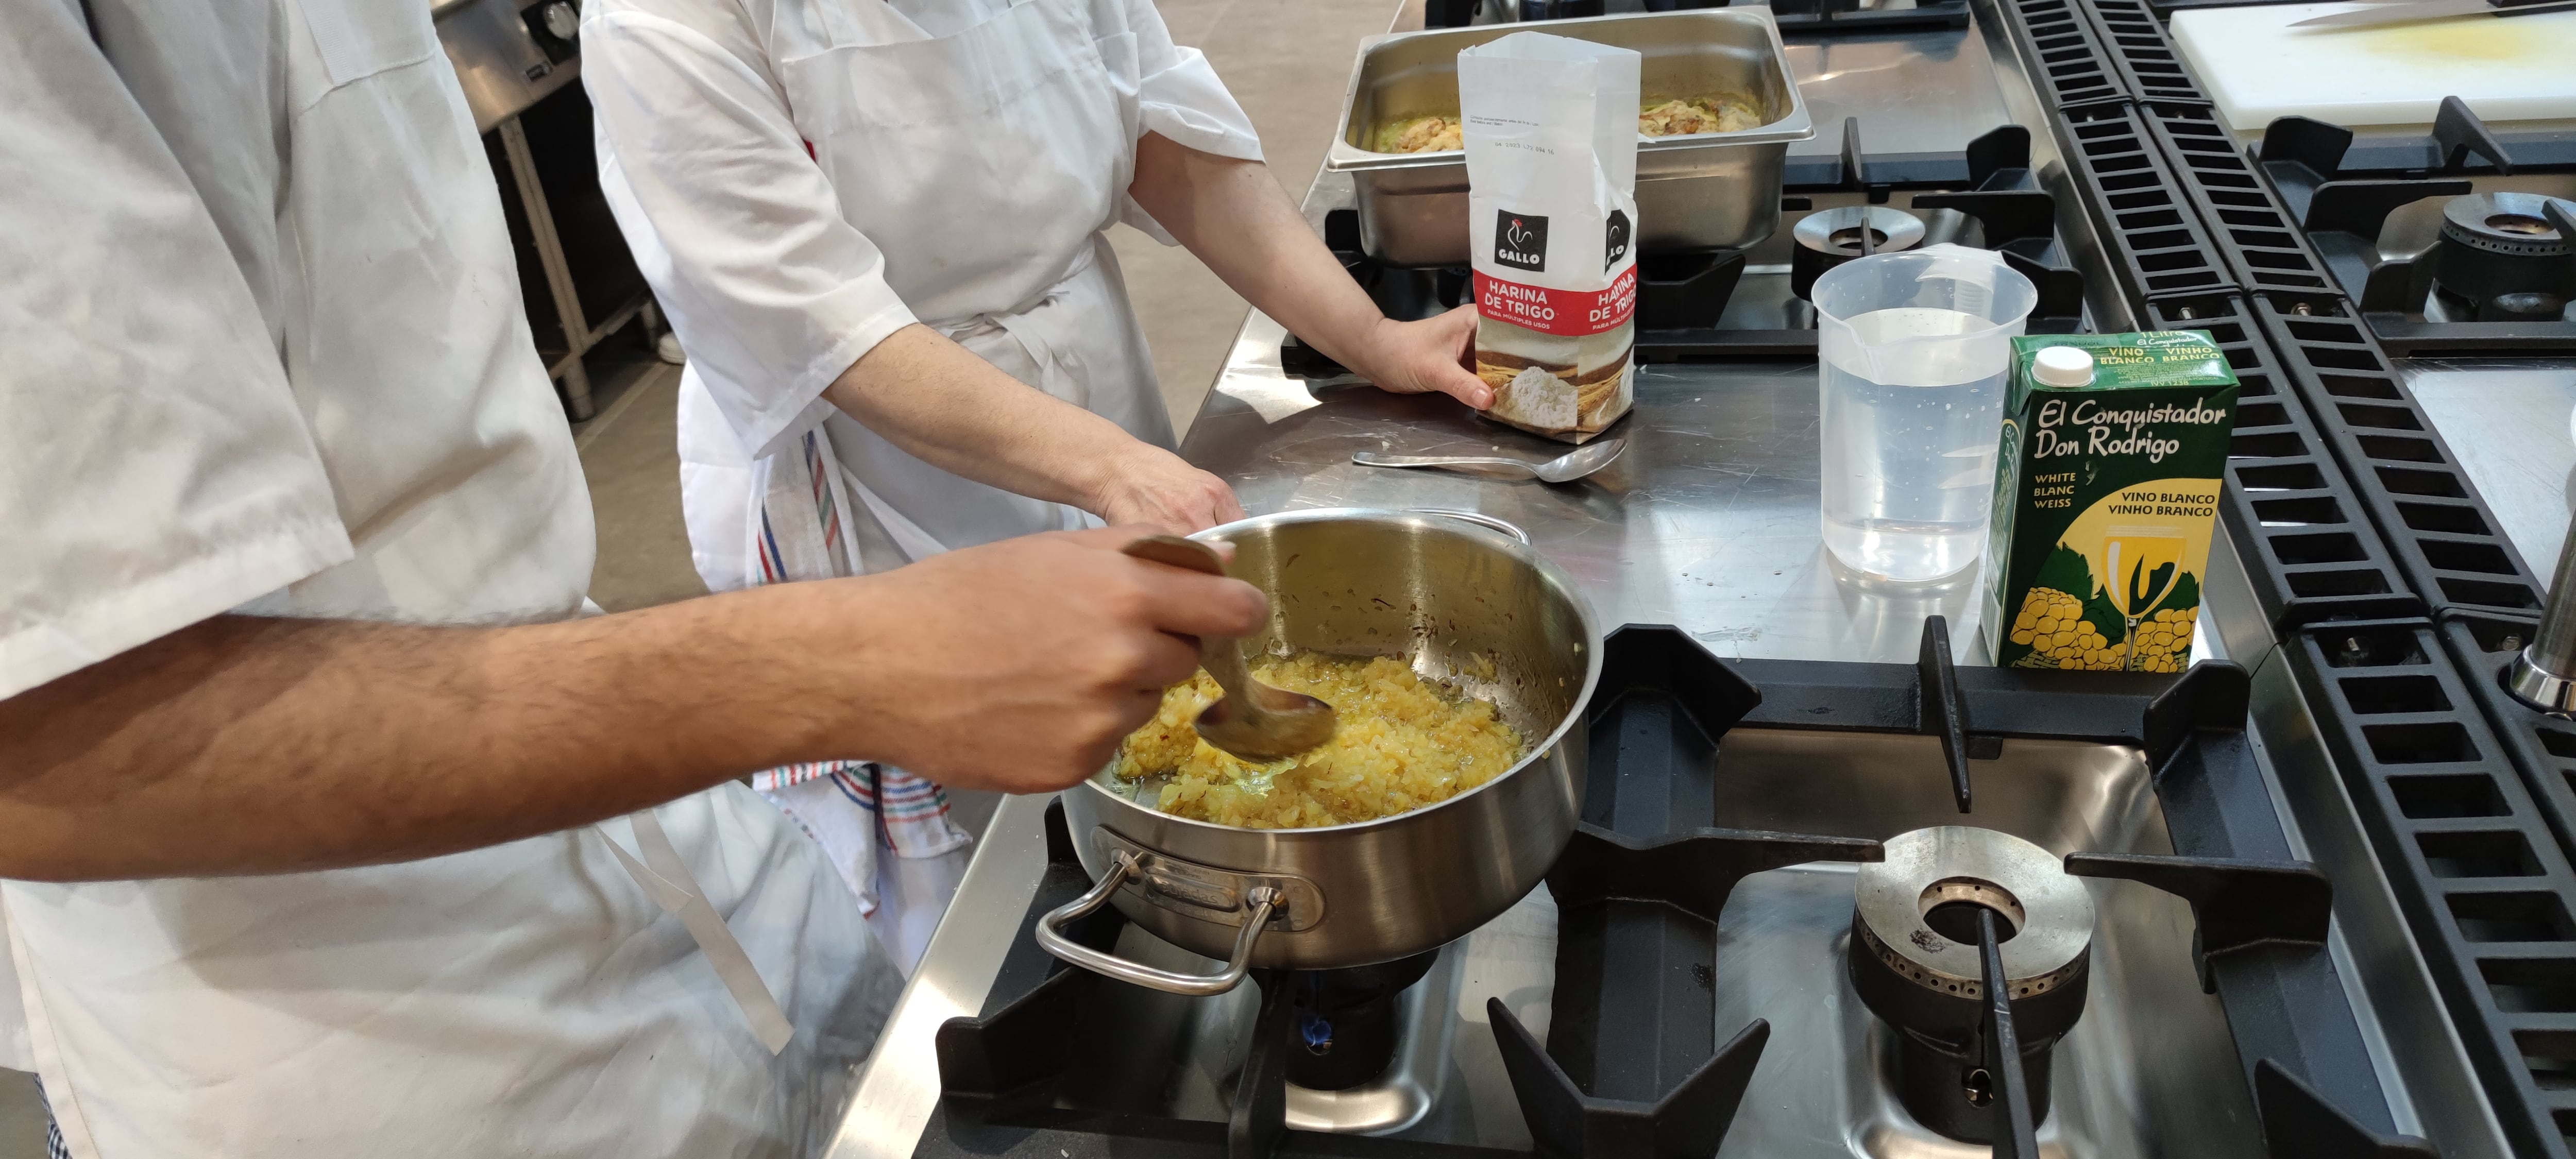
266 349
799 179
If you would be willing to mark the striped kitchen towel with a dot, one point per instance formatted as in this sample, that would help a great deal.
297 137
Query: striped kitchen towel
799 536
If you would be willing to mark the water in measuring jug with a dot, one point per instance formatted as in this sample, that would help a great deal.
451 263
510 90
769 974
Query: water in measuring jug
1909 463
1914 348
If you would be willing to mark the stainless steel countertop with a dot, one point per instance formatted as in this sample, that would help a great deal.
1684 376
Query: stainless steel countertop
1948 99
1709 524
1710 521
2507 421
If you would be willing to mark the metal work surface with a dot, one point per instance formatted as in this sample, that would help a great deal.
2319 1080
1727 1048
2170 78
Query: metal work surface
498 60
2149 1031
1946 98
1709 524
1709 521
2508 423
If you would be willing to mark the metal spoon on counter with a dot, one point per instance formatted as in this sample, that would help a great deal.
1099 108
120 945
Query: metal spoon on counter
1252 720
1564 468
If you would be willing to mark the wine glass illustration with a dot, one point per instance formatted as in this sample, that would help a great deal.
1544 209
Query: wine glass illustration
2142 564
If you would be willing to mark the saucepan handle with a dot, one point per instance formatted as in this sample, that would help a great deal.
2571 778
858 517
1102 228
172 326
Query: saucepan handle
1480 519
1122 865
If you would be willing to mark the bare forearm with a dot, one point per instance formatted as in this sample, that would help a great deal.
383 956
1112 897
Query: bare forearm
963 415
1235 217
246 745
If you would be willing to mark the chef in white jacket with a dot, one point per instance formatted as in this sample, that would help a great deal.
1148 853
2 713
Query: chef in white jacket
877 227
327 827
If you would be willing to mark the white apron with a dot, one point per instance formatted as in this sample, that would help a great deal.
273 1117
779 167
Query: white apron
1017 123
531 999
1054 119
267 265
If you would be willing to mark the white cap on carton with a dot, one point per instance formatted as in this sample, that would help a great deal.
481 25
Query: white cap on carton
2062 366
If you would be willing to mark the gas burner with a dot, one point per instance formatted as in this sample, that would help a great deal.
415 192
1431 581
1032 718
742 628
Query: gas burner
1687 980
2501 258
1914 961
1345 1029
2494 277
1829 237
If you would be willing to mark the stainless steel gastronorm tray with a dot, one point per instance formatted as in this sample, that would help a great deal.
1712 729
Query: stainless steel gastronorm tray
1694 191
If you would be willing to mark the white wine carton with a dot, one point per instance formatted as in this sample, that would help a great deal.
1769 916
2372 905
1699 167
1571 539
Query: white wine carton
2106 495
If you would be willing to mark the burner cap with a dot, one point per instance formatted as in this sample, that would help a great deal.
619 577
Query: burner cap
1829 237
2505 222
1836 231
1916 907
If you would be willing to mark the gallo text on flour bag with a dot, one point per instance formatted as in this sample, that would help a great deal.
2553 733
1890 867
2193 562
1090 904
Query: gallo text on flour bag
1551 135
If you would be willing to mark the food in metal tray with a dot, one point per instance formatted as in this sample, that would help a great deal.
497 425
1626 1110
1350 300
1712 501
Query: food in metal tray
1403 743
1720 113
1418 135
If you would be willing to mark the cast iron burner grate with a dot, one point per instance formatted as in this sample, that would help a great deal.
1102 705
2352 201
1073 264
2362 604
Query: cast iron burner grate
2499 276
1708 305
1055 1066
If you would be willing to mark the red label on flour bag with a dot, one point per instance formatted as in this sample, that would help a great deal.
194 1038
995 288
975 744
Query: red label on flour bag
1567 313
1550 126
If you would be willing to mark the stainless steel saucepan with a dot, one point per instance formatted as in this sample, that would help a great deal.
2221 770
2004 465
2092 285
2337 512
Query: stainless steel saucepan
1466 604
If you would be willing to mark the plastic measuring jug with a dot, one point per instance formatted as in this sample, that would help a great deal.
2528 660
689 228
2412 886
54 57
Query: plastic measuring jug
1914 347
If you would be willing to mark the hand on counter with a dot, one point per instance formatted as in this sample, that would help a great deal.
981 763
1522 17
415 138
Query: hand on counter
1155 488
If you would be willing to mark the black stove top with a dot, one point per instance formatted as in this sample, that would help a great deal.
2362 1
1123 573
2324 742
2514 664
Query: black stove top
1710 304
2456 243
1638 1056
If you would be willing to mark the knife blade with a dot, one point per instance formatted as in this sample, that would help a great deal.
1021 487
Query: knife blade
2402 11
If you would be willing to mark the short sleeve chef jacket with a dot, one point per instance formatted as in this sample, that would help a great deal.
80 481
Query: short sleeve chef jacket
261 344
720 110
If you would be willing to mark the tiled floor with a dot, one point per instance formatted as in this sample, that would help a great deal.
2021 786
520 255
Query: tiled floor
634 471
22 1126
1285 60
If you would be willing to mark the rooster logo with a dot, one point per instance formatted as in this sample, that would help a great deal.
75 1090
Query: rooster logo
1520 240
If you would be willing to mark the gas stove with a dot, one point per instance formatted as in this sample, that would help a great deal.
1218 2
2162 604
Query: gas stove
2456 243
1774 934
1792 15
1915 146
1715 304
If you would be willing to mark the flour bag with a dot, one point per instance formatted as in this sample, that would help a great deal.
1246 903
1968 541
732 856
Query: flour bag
1551 135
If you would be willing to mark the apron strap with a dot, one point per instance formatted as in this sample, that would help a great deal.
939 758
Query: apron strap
676 890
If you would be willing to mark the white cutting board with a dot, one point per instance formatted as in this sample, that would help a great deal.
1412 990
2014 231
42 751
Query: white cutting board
2256 67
